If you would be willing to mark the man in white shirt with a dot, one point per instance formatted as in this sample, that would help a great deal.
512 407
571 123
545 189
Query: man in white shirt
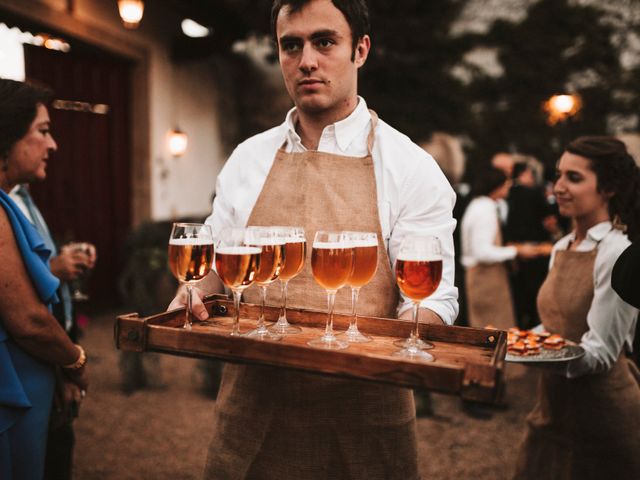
331 165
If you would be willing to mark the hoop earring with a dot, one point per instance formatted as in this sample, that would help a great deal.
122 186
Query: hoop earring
618 225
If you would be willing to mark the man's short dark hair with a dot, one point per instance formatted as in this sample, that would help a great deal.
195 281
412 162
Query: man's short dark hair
355 11
18 107
488 180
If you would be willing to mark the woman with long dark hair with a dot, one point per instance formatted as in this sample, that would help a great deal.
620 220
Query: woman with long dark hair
586 423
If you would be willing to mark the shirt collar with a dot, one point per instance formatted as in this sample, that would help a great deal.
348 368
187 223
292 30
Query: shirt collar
595 233
345 131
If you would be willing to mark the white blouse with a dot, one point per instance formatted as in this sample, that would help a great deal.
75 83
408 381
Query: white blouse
413 194
611 321
479 228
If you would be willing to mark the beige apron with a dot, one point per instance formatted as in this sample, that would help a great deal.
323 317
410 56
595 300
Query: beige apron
587 427
488 293
275 423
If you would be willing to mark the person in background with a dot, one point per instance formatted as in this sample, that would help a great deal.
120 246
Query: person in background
528 215
32 341
586 421
67 264
484 254
447 151
332 165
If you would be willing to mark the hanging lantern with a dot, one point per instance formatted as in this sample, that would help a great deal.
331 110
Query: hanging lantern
131 12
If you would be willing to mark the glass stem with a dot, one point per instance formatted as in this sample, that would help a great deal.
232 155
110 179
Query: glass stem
414 334
283 309
236 318
187 323
353 326
331 299
263 289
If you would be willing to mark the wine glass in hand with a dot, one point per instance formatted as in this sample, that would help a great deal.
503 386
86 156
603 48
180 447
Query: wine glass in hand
190 257
418 274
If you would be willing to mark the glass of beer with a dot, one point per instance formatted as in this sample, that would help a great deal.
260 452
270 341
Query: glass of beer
272 258
237 264
190 257
365 263
295 254
418 274
331 265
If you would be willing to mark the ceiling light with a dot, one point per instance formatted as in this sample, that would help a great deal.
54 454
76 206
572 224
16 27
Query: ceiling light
193 29
131 12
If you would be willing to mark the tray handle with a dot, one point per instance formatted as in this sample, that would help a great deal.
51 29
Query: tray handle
130 333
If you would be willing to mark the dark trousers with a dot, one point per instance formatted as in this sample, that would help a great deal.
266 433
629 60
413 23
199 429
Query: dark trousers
59 459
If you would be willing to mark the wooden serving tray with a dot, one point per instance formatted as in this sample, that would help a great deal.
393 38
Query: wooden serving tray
469 362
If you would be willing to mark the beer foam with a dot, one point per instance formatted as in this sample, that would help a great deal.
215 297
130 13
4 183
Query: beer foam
331 245
238 250
262 242
364 243
191 241
416 257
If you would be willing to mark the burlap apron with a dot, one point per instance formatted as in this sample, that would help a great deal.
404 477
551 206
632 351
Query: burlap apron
587 427
488 293
281 424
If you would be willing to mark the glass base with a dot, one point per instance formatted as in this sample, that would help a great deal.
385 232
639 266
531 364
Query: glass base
353 335
414 353
408 342
328 342
187 326
282 327
262 333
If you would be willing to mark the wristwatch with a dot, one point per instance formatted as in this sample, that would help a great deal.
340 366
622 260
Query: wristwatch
80 362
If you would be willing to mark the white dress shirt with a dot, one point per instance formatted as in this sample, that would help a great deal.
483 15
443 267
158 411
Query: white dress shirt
611 321
478 232
413 194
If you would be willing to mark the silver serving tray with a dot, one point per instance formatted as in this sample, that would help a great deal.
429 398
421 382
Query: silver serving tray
569 352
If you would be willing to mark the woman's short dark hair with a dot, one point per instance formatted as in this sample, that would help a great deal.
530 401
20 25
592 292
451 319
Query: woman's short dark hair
487 180
617 173
355 11
18 107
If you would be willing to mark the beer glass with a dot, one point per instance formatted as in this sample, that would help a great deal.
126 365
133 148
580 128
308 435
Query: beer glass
418 274
190 257
294 258
365 263
236 264
272 258
331 265
79 284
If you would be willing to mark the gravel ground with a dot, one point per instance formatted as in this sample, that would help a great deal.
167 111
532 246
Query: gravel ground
163 432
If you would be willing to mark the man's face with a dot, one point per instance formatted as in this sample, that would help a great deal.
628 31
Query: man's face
28 157
315 50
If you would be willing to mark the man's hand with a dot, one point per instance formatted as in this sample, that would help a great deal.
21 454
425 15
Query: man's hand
72 261
197 306
424 316
68 397
78 377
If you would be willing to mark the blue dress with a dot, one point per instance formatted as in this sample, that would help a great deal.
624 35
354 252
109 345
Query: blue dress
26 383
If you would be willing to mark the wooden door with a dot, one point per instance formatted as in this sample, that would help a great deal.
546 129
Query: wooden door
86 196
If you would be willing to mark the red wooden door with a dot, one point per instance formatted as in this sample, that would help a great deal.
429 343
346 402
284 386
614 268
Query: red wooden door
86 196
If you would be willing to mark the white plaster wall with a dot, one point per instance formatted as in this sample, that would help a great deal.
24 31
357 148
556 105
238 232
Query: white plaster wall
179 187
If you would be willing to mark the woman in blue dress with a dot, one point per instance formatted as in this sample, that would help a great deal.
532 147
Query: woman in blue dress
32 342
